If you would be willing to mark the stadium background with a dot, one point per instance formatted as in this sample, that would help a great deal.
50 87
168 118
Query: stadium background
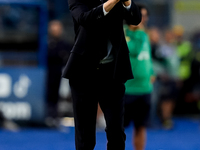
23 54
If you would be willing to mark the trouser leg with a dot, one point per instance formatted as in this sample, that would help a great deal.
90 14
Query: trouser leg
112 107
85 110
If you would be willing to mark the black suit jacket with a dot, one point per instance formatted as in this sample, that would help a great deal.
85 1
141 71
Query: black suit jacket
92 31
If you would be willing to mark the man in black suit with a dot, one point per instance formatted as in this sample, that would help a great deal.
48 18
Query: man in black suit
98 67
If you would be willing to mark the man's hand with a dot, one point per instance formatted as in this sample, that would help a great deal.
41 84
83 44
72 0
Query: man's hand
126 2
110 4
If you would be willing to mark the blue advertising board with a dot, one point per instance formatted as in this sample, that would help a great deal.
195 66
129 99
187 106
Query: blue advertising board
22 93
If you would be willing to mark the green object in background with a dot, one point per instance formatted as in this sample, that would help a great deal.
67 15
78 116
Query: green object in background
184 51
140 57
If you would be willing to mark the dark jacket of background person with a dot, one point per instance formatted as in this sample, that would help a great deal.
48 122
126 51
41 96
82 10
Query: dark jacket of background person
93 30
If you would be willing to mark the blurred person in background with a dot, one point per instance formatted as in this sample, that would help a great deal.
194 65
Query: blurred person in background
186 55
98 67
155 42
184 51
58 53
158 60
138 90
168 79
155 38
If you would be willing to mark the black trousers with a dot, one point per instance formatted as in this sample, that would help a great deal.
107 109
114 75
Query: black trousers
109 93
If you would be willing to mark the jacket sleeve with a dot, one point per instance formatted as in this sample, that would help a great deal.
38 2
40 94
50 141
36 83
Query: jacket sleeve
133 15
82 14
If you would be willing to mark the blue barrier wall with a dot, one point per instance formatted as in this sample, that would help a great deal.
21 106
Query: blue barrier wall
22 93
23 88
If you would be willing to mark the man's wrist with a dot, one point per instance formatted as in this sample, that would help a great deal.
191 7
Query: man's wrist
107 6
104 11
